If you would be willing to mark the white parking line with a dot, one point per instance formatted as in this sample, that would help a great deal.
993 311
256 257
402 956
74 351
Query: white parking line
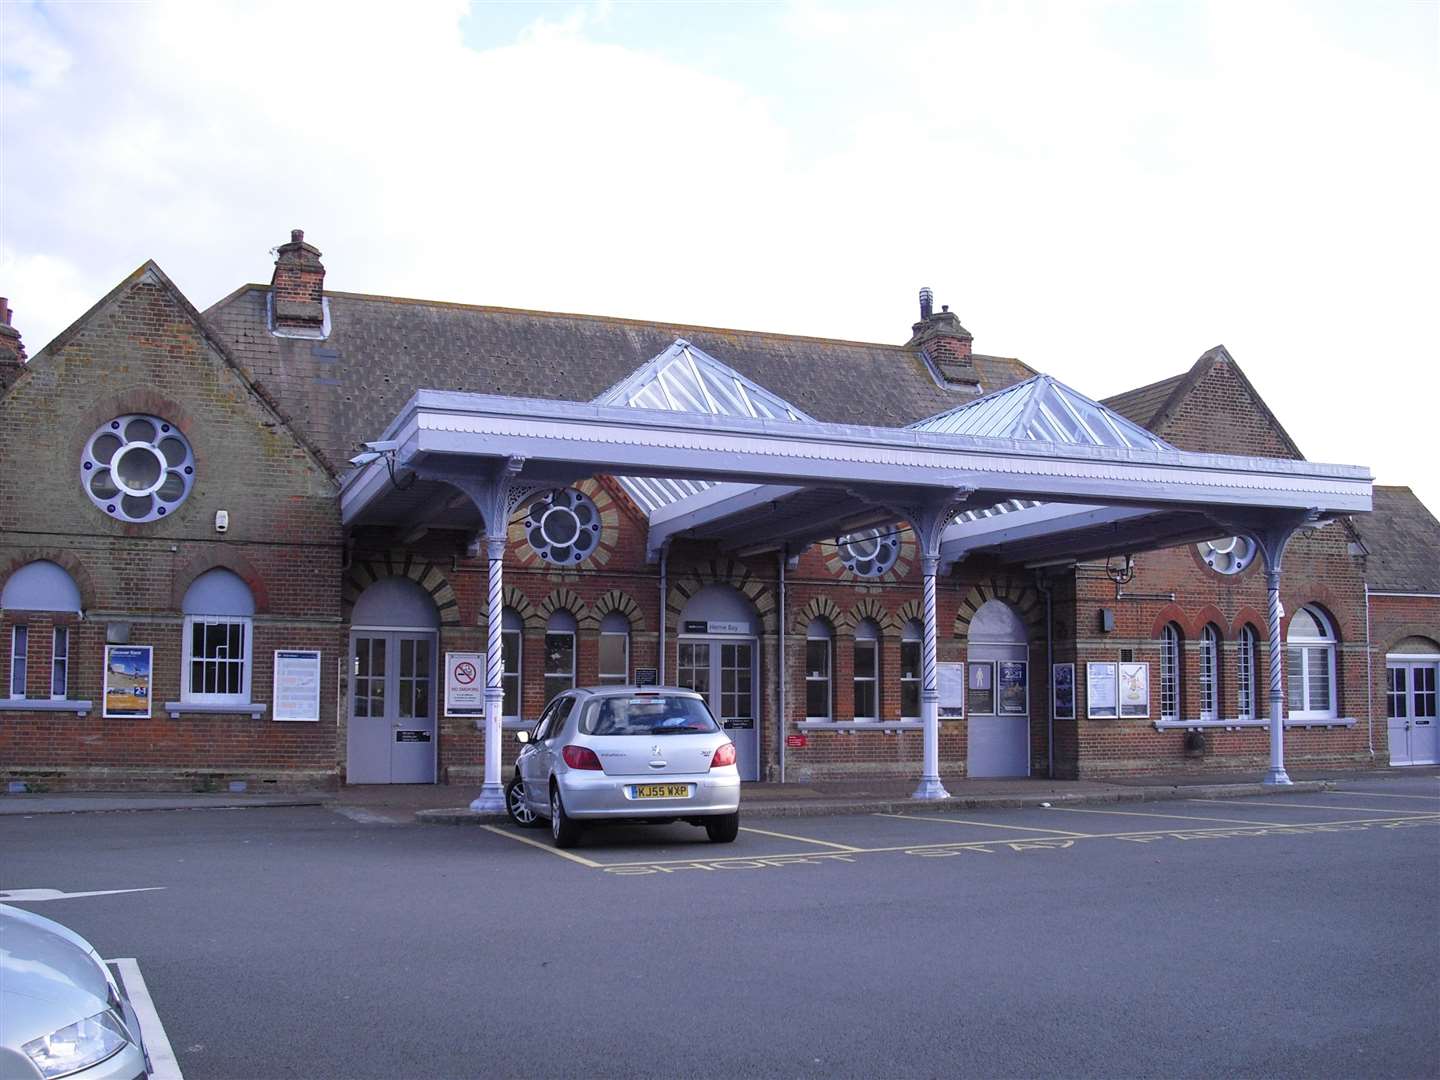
983 824
543 847
1143 813
802 839
157 1044
1338 809
35 896
1385 795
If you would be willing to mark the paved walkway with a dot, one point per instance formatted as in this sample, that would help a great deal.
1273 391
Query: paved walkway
440 804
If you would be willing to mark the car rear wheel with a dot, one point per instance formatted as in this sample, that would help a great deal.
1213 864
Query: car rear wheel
565 831
515 805
723 829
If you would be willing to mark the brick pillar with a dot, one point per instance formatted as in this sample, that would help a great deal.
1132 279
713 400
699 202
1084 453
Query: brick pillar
945 342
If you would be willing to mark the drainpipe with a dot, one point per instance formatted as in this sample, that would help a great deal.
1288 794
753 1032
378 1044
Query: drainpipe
783 678
664 598
1040 583
1369 682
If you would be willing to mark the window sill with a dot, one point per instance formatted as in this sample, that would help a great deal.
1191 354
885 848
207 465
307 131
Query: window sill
512 725
860 725
79 708
1236 725
176 709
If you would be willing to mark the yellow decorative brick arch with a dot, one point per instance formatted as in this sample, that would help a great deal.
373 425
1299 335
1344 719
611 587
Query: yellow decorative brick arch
620 601
564 598
517 602
870 608
721 571
821 607
1020 595
365 572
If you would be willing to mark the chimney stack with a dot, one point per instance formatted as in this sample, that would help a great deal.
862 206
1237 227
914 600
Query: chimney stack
298 285
12 349
945 342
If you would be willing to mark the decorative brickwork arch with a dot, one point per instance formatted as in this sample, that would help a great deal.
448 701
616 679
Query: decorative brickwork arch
1409 630
619 601
65 560
565 598
721 571
821 607
517 602
1256 621
1211 614
1020 595
365 572
1172 613
870 608
910 611
225 558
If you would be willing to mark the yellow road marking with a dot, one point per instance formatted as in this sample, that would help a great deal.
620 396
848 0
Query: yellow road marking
983 824
1177 817
802 839
1316 806
543 847
1386 795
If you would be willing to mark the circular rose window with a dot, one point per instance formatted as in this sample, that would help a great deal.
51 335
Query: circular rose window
562 526
869 552
1228 556
137 468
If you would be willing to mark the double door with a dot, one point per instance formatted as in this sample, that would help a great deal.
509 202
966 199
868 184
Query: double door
391 736
723 671
1410 708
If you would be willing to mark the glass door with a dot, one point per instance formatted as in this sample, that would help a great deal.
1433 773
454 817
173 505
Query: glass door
391 735
724 673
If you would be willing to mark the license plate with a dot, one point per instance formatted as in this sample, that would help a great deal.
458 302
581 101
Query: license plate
662 791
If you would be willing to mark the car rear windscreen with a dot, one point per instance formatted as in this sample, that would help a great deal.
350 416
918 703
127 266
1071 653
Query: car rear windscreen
648 714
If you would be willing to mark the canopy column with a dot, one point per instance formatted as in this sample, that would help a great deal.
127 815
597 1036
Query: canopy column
928 520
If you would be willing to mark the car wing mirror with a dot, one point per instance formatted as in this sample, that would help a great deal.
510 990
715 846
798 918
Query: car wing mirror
522 736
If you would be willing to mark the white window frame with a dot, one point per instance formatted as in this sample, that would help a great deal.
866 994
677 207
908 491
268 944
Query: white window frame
911 635
1209 673
826 677
1304 649
60 662
614 678
19 658
191 696
1170 654
552 678
1247 671
871 643
508 634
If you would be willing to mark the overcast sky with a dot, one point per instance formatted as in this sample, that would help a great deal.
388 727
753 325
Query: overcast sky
1104 190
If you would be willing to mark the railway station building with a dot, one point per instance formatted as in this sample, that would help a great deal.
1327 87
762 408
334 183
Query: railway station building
306 537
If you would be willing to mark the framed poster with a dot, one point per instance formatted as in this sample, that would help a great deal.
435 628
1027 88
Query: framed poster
1100 699
982 687
127 680
464 684
950 681
1134 689
297 684
1062 683
1012 687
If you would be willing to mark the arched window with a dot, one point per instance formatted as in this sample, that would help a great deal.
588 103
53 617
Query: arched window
817 670
867 671
559 654
215 665
1170 672
510 627
40 586
1247 671
911 637
1209 673
614 649
1310 665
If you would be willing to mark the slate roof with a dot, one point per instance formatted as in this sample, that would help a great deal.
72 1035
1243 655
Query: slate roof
380 350
1144 404
1403 539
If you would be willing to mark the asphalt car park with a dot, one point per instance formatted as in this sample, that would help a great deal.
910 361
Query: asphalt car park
1278 936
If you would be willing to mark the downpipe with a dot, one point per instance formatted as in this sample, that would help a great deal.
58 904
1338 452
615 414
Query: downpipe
783 674
664 597
1369 683
1048 590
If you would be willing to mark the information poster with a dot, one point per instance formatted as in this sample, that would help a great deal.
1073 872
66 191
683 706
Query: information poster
1063 680
464 684
297 684
1100 691
127 680
1134 689
647 676
1013 687
950 681
982 687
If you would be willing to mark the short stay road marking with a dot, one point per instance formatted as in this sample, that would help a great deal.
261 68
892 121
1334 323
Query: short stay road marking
1385 795
152 1032
543 847
1320 806
983 824
802 839
1143 813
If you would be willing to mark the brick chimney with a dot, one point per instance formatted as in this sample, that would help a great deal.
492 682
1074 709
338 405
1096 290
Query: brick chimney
298 285
945 342
12 349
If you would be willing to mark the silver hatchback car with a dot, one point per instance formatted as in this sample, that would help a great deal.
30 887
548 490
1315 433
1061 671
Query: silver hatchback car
626 753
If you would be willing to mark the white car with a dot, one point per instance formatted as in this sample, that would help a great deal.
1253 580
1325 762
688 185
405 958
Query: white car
631 753
61 1012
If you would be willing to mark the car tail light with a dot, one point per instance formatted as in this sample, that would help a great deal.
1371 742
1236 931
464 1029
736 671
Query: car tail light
580 757
724 755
